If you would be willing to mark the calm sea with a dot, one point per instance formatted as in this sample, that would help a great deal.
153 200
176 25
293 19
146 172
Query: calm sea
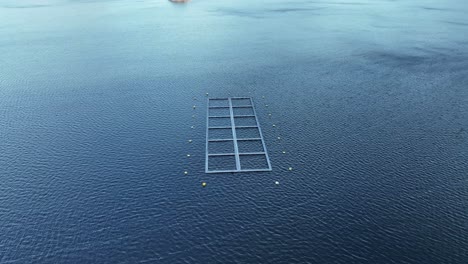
369 98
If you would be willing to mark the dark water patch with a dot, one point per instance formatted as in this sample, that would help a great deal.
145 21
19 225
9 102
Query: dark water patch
462 42
339 3
349 3
261 13
236 12
387 27
289 10
396 59
25 6
456 23
422 59
435 8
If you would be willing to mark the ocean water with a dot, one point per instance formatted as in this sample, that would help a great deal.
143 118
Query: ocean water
370 99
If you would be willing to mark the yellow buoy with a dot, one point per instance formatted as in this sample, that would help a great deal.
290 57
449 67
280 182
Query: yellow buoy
185 172
203 184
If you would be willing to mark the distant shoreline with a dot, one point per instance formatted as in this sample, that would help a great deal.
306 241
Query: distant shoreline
179 1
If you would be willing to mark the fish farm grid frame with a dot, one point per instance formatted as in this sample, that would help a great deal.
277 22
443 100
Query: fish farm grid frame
234 139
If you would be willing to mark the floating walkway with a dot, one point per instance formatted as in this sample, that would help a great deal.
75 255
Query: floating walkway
234 140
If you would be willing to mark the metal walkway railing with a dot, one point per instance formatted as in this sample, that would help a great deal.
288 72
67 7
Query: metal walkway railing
234 140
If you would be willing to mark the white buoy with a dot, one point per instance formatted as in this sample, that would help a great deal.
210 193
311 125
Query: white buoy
189 141
284 152
274 125
192 127
194 107
185 172
290 168
206 94
276 182
188 155
279 137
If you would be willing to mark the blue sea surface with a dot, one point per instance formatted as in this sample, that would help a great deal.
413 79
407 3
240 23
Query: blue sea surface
369 99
